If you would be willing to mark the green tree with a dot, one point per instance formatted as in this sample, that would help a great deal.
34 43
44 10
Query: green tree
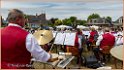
73 21
51 25
73 18
93 16
108 18
53 20
81 22
26 16
58 22
27 24
70 21
67 22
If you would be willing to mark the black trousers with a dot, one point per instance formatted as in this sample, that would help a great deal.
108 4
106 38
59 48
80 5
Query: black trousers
79 58
101 56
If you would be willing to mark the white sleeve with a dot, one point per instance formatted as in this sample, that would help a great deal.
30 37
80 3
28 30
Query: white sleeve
99 40
119 41
37 52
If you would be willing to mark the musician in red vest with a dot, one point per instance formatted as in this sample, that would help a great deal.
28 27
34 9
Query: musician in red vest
92 41
17 45
77 49
105 42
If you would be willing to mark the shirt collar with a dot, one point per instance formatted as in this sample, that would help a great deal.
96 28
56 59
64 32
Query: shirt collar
107 32
12 24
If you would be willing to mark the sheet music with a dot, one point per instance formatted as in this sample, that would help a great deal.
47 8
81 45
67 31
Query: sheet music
70 39
59 63
60 38
86 32
63 63
54 33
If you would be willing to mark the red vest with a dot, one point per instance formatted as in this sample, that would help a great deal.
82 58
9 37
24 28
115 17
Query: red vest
108 40
92 34
13 48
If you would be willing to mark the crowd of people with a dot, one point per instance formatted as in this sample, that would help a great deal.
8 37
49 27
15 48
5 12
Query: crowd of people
19 45
100 41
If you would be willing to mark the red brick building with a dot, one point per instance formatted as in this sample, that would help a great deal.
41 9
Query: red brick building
37 20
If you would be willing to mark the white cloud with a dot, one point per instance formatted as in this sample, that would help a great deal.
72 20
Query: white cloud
79 8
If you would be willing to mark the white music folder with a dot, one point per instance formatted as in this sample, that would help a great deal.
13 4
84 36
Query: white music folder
70 39
86 33
54 33
59 38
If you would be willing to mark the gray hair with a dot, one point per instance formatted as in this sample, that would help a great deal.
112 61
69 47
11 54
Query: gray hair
106 29
13 14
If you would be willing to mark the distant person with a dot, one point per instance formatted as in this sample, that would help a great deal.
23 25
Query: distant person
18 45
120 32
113 32
104 44
119 38
81 45
100 31
92 38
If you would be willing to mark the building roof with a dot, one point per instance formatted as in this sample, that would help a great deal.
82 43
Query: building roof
38 19
100 21
117 21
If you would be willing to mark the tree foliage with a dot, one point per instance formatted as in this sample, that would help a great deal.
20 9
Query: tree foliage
93 16
71 21
81 22
53 20
67 22
58 22
108 18
73 18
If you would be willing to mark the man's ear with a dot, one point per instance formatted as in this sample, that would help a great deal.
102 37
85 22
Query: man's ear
18 20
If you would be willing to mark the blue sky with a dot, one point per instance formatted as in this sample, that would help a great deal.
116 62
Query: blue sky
81 9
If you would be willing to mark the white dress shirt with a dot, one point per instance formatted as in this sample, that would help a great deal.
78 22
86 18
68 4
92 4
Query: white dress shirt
32 46
100 32
119 33
80 41
118 40
99 40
